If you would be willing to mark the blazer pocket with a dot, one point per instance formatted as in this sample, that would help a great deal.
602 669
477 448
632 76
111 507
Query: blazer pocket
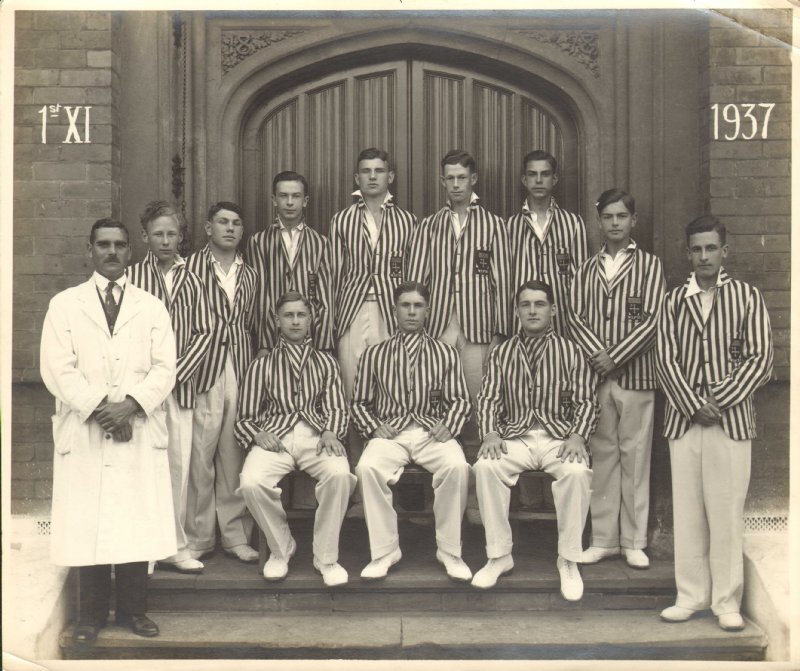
64 432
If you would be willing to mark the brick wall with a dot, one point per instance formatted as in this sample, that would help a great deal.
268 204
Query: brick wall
747 182
62 58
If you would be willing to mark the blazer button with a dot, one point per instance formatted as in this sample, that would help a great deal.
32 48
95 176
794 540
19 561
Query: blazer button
108 436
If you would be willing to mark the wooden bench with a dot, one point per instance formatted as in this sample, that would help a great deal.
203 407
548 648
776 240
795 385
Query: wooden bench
413 476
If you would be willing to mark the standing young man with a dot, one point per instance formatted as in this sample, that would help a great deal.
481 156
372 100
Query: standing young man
547 243
536 411
370 242
714 349
163 273
410 398
461 254
293 415
616 296
231 287
291 256
108 357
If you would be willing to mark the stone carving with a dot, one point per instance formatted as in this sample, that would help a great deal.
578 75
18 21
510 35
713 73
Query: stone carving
240 44
582 45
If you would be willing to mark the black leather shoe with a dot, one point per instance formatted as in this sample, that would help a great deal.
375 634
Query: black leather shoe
85 634
141 625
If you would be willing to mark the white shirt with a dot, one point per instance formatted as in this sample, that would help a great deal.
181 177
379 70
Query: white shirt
227 281
539 227
612 264
373 227
706 295
455 220
102 285
169 276
291 239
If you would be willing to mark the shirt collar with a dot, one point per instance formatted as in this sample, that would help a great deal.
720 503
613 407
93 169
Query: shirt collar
628 250
528 210
102 282
473 200
549 333
153 260
237 261
282 227
693 287
387 199
282 342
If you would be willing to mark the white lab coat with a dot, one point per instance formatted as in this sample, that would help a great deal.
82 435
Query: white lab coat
112 501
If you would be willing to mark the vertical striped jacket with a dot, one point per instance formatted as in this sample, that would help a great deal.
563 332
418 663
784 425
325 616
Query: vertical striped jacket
557 390
274 398
470 275
555 261
234 325
310 274
189 311
619 316
729 356
356 267
388 391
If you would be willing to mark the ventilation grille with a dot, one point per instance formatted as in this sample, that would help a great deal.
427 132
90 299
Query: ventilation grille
766 523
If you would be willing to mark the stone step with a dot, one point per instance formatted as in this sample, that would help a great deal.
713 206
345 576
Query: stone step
417 583
637 634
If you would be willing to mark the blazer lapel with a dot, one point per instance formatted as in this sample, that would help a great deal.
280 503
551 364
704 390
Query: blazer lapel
624 269
130 306
695 310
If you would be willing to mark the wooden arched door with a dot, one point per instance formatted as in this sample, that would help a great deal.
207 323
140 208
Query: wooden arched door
417 111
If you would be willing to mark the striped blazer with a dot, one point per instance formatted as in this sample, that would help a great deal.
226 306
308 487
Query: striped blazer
555 261
357 267
729 356
274 397
557 390
388 390
619 316
189 311
310 274
234 325
470 275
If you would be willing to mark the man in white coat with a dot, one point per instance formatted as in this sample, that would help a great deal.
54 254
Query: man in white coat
108 357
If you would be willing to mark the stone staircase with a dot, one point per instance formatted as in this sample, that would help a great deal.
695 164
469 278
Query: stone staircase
230 612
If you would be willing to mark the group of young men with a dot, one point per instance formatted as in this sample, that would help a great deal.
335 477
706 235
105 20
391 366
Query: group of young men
474 347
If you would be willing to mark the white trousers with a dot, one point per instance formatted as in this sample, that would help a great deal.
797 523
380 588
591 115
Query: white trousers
621 447
535 451
368 328
473 358
382 464
259 485
214 471
179 451
710 476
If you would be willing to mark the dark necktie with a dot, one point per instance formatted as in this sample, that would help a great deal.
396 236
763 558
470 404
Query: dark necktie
110 307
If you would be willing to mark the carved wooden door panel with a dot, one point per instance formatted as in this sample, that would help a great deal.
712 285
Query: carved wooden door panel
415 110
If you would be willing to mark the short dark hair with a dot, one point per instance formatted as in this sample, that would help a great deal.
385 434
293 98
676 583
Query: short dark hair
539 155
459 157
290 297
107 223
159 208
535 285
372 153
612 196
407 287
706 224
289 176
224 205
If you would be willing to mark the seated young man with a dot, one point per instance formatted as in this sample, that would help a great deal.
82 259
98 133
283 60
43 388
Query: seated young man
293 415
410 397
536 411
